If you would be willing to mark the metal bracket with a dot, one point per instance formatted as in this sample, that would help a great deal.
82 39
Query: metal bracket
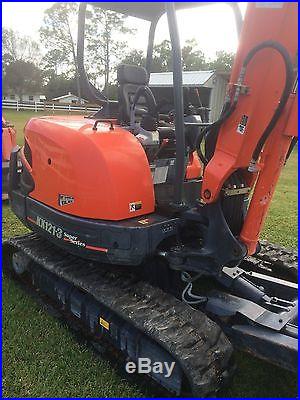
236 191
226 305
243 89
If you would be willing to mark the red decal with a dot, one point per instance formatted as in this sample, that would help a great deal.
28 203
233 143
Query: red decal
31 220
97 248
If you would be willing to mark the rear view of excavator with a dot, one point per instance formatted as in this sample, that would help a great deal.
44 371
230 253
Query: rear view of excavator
9 141
145 224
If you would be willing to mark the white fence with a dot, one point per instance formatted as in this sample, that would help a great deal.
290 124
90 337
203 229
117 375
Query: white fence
43 106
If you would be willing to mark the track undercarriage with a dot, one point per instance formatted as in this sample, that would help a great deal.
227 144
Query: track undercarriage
144 321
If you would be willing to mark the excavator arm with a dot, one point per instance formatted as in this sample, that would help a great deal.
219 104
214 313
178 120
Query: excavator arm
259 121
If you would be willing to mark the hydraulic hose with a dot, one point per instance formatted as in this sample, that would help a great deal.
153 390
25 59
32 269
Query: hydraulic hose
291 148
226 112
228 108
289 80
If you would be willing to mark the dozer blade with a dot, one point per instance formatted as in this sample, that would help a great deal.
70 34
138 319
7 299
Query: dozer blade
140 320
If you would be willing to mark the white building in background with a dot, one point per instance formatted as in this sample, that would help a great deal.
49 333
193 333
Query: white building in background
211 86
69 99
25 97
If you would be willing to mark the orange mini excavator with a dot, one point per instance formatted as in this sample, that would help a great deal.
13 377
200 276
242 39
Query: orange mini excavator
129 208
9 141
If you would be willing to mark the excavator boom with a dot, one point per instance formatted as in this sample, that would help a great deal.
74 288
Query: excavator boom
256 137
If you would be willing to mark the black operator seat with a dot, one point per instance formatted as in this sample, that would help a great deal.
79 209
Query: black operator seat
130 78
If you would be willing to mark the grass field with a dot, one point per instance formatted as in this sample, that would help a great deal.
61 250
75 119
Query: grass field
43 358
20 118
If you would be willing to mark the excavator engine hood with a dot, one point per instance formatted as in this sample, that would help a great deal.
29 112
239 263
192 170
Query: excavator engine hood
90 171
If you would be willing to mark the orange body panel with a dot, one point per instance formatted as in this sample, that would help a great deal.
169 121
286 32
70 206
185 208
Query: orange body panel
8 141
292 124
272 161
194 168
103 171
265 78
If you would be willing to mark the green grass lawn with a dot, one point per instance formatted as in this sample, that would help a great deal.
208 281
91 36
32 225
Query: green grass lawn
43 358
20 118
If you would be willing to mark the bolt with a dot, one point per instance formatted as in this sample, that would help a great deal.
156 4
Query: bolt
207 194
280 320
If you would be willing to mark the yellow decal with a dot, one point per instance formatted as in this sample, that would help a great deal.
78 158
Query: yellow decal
104 323
143 221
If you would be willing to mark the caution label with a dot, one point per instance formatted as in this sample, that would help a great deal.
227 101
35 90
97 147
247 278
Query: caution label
135 206
242 125
104 323
144 221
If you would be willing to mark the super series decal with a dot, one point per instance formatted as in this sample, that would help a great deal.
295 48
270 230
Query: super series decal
59 233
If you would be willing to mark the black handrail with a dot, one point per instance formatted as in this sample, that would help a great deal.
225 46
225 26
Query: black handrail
93 94
178 103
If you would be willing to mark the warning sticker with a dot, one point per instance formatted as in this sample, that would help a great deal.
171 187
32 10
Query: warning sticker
160 174
104 323
242 125
64 199
135 206
144 221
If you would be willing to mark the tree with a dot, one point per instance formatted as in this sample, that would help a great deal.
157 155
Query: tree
58 85
52 62
22 76
16 48
56 35
20 70
192 58
135 57
162 57
103 46
161 60
223 61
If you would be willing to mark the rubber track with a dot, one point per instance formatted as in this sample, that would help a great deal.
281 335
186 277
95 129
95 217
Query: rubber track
196 342
275 258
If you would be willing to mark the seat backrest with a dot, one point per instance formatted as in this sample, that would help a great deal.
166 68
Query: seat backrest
130 77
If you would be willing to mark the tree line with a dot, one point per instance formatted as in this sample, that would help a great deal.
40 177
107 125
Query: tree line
53 71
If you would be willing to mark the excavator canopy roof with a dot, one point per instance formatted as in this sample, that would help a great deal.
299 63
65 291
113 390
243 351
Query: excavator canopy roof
148 10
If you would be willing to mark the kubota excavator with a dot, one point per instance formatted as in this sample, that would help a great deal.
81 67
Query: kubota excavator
131 209
9 141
